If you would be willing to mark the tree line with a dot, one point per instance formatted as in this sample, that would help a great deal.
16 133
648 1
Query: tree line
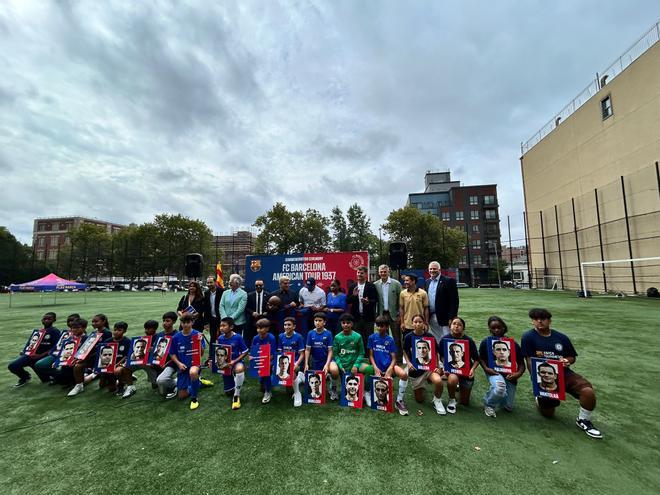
153 249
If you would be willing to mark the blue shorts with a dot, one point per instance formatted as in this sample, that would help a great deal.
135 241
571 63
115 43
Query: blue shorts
317 366
183 380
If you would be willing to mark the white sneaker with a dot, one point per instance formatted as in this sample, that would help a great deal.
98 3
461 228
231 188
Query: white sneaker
367 399
451 406
76 390
267 397
439 407
172 394
490 412
333 394
297 399
130 390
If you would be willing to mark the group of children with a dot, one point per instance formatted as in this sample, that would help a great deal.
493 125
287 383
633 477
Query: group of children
337 356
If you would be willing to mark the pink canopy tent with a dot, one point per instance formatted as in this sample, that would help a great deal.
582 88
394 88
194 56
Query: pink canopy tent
48 283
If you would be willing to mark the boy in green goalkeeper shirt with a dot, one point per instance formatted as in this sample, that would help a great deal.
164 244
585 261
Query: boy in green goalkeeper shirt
348 348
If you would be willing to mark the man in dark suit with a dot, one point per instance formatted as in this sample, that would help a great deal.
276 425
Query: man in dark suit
212 307
363 299
443 300
256 309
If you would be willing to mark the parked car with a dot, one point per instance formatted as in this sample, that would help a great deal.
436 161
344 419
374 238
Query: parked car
462 285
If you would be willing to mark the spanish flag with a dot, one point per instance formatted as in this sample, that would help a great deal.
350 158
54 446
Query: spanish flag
218 276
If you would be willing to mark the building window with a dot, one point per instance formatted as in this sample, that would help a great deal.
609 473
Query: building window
491 214
489 200
474 215
62 225
459 215
40 227
446 216
476 259
463 260
475 227
492 260
476 244
474 200
52 255
41 242
606 107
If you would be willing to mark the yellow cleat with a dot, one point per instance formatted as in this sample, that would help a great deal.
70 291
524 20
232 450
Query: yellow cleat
236 403
205 382
194 404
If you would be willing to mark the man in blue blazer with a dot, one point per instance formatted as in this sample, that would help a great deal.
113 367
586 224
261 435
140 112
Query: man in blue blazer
443 300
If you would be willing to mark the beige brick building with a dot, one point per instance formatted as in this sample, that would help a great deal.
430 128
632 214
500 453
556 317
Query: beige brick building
592 183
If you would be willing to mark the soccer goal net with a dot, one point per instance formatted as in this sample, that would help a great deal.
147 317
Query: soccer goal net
623 276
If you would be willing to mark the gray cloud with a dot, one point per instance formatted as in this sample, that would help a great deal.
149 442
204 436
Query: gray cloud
217 110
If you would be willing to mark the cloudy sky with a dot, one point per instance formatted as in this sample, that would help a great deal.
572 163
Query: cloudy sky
122 110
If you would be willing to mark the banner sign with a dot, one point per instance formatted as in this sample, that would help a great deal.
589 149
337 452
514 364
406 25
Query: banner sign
139 352
548 378
324 267
382 394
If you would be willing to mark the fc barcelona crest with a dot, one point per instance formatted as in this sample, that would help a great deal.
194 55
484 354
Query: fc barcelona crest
255 265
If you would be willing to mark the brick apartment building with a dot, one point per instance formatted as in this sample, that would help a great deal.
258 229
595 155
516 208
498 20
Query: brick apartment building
472 209
235 247
50 234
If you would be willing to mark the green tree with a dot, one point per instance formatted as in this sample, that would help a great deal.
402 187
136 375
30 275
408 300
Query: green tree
312 232
86 255
16 260
340 239
426 236
284 231
353 231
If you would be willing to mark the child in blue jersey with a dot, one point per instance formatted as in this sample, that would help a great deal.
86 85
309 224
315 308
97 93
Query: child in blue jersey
116 381
382 355
457 331
49 340
166 376
319 349
238 352
264 337
292 341
181 352
150 329
542 341
102 326
502 385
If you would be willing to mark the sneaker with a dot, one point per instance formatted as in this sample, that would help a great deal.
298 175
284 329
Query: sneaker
439 407
172 394
76 390
194 404
89 378
130 390
367 399
588 427
236 403
297 399
490 412
401 407
22 381
206 383
333 394
266 398
451 406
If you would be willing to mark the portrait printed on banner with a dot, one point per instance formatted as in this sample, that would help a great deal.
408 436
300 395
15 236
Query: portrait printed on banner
315 387
502 354
284 365
30 348
138 355
352 391
456 356
161 351
106 358
68 352
548 378
221 357
382 393
63 338
86 348
424 358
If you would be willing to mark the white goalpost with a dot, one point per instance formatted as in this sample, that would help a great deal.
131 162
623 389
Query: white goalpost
607 262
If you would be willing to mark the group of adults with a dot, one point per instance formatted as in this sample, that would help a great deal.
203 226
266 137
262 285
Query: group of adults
438 302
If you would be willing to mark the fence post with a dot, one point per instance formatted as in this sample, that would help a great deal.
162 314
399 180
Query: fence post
600 241
577 247
527 254
625 212
561 265
545 261
508 223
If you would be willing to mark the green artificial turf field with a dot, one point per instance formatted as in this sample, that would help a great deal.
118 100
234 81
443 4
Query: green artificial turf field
98 443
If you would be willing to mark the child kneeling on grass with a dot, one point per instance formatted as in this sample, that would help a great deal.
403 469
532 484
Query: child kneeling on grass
182 351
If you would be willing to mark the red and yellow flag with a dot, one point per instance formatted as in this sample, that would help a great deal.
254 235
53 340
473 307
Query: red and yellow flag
218 276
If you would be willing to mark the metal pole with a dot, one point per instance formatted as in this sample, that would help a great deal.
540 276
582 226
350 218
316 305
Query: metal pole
529 269
545 262
68 275
600 241
657 176
508 224
561 265
625 211
577 246
112 259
